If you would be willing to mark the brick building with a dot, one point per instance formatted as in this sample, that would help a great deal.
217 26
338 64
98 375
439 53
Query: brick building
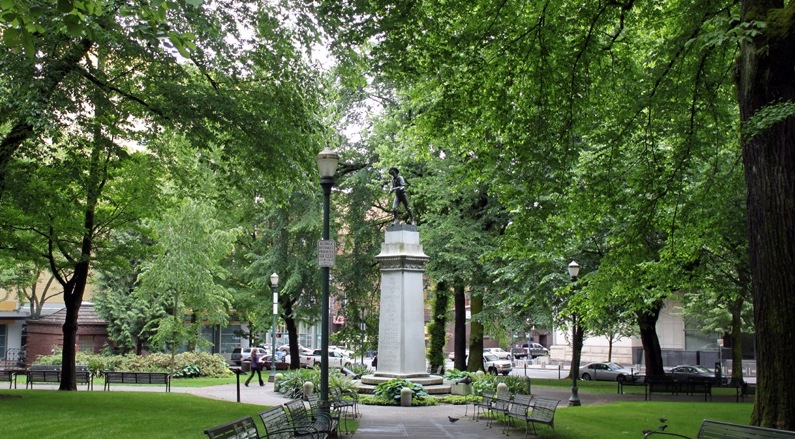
47 332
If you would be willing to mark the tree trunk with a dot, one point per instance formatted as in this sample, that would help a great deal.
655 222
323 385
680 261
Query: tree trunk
438 327
460 347
577 340
736 307
475 359
766 76
292 331
73 298
652 354
611 337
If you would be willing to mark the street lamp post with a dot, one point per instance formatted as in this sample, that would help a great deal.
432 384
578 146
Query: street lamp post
275 291
327 165
574 399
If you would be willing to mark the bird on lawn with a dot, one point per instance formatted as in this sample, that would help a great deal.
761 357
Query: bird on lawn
663 427
663 420
452 419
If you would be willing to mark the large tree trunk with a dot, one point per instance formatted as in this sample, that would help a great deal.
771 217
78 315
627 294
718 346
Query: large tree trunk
736 307
766 76
438 327
292 332
577 340
475 359
652 354
460 347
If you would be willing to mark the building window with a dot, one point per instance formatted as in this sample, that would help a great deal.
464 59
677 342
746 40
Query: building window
85 344
3 338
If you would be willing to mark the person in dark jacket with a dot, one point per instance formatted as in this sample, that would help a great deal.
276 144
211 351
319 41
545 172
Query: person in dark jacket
256 367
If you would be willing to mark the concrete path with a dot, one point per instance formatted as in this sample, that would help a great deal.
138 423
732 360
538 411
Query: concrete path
400 422
393 422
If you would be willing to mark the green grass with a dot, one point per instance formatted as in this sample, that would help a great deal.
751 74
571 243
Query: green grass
200 382
121 415
101 415
610 387
630 419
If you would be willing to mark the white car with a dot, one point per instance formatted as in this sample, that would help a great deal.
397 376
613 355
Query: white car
336 359
346 352
497 352
494 365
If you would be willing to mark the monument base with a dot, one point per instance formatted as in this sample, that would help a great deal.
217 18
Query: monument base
432 384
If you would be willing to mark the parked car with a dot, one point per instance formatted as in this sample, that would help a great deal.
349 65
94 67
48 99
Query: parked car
451 355
280 364
533 350
494 365
605 372
346 352
336 359
685 373
306 357
239 355
497 352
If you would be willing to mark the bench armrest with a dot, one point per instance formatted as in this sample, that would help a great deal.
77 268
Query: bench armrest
648 433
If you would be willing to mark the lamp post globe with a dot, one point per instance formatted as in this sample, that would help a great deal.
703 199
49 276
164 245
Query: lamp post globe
275 291
327 161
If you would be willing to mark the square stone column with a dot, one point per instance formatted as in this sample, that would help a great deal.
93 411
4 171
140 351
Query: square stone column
401 333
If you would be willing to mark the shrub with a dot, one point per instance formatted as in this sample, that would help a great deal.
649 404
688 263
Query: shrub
359 369
292 383
482 381
186 364
391 389
459 399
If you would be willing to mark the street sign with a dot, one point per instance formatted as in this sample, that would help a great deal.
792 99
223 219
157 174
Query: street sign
326 253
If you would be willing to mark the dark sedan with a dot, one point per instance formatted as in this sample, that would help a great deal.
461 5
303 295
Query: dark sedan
693 373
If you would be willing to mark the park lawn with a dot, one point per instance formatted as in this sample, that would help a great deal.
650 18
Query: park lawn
630 419
611 387
118 415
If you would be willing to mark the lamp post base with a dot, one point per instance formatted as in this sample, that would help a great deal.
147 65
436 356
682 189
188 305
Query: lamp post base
574 399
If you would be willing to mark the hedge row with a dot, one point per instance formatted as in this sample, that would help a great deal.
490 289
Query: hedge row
186 364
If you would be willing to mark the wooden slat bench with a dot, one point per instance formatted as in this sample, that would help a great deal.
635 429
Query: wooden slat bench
724 430
316 409
116 377
10 376
520 411
52 374
695 385
661 385
277 425
323 425
243 428
543 412
691 386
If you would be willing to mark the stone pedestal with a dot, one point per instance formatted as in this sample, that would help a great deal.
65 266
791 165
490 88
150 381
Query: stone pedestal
401 329
401 334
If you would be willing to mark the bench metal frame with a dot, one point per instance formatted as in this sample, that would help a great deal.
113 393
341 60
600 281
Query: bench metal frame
52 374
725 430
117 377
243 428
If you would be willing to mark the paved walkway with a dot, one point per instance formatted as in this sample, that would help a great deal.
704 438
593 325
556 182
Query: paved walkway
392 422
400 422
